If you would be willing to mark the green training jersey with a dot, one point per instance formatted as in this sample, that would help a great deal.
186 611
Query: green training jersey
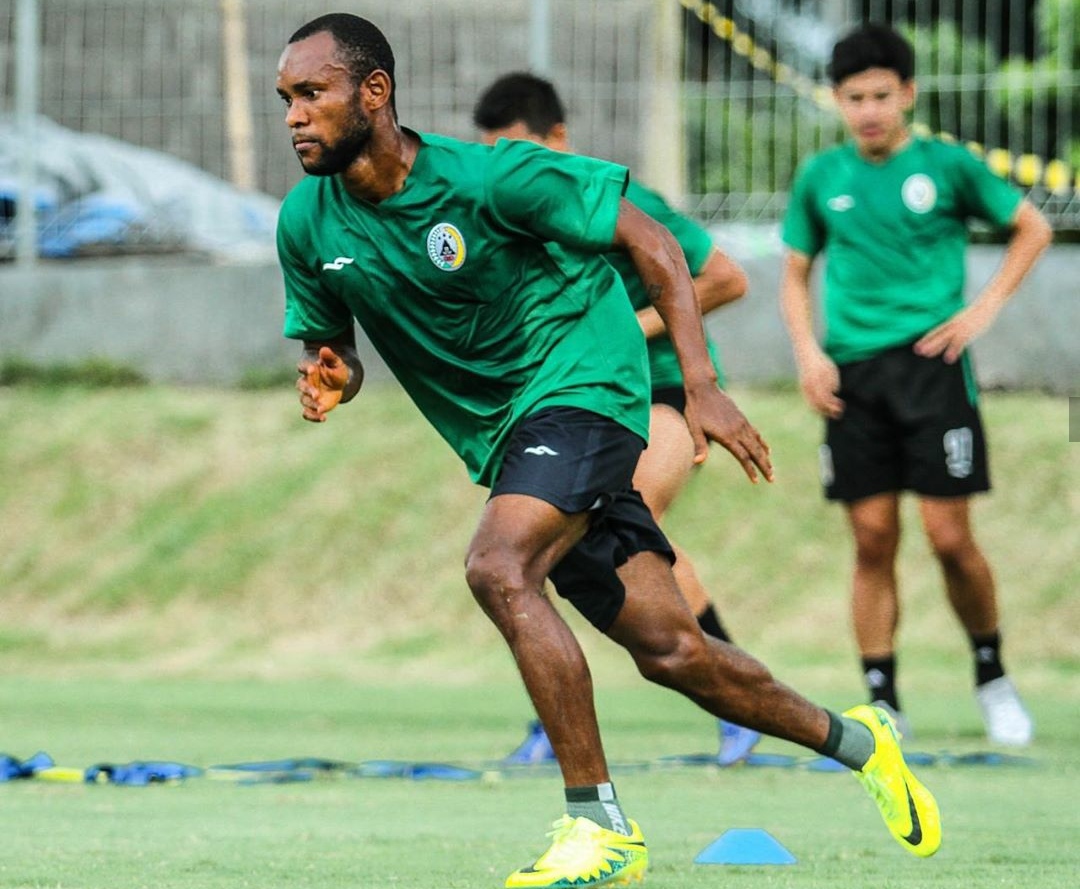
697 244
482 285
894 235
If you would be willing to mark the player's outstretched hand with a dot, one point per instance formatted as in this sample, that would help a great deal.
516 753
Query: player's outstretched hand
321 384
713 416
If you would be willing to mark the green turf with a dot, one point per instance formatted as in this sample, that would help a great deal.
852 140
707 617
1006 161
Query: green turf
200 577
1004 826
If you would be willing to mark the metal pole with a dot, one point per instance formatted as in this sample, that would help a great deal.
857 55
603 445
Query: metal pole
239 126
837 15
540 37
27 62
663 161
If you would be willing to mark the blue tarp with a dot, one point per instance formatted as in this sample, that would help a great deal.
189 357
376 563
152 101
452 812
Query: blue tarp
97 195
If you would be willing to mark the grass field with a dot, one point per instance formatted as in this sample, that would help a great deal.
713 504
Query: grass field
1011 826
201 577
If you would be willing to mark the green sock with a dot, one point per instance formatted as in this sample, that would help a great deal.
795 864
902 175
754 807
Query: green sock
849 742
598 803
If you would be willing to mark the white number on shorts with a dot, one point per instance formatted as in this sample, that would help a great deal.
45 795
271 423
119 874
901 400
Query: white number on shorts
959 451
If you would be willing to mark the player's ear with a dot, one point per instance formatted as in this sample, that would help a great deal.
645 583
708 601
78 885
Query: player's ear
376 90
908 93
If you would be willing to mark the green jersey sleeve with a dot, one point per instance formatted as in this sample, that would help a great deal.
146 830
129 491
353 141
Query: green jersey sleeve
310 312
572 200
803 229
696 243
983 194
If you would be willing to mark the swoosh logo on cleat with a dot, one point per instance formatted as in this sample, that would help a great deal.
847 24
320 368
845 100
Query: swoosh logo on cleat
915 837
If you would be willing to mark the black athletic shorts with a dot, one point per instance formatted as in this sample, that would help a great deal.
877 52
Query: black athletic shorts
909 423
673 396
579 461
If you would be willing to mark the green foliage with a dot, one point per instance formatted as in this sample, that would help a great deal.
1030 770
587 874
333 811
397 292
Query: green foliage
752 146
91 373
947 64
1045 89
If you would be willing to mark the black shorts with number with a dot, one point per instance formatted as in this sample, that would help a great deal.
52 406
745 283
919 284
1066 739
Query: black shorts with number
909 423
579 461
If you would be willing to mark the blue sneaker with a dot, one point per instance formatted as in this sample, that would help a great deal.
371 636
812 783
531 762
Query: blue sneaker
535 749
736 743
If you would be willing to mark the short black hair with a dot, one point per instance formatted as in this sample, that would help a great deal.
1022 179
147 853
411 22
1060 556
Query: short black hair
871 46
361 45
519 96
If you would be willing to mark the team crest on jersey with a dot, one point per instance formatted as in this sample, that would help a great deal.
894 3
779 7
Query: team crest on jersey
919 193
446 247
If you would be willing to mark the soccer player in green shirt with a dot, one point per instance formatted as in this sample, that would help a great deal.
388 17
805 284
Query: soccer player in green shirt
893 378
521 105
478 275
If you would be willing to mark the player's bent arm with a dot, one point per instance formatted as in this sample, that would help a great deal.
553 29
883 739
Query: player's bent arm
720 281
330 373
710 413
660 263
1031 235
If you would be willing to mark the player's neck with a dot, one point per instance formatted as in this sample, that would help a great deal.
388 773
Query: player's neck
382 169
880 154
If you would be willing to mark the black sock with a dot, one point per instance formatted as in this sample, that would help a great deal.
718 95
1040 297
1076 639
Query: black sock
710 624
880 676
987 649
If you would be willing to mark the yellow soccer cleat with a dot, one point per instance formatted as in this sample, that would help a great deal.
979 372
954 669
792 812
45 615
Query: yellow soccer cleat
909 809
582 854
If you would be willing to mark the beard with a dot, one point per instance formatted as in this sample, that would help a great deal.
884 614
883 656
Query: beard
337 157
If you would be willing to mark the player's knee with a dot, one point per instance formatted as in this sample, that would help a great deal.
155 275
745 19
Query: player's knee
876 546
684 654
951 546
496 581
491 574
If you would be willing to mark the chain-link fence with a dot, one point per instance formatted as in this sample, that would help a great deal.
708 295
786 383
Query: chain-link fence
1001 75
195 80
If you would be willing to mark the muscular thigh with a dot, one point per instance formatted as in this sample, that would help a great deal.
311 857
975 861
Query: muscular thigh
525 537
666 464
567 508
654 614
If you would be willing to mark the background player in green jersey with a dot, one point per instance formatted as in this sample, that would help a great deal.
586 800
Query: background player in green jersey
523 106
893 379
478 275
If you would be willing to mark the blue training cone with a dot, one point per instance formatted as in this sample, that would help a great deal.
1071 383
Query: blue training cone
745 845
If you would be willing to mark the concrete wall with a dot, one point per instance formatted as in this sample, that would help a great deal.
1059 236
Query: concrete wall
182 320
1035 343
